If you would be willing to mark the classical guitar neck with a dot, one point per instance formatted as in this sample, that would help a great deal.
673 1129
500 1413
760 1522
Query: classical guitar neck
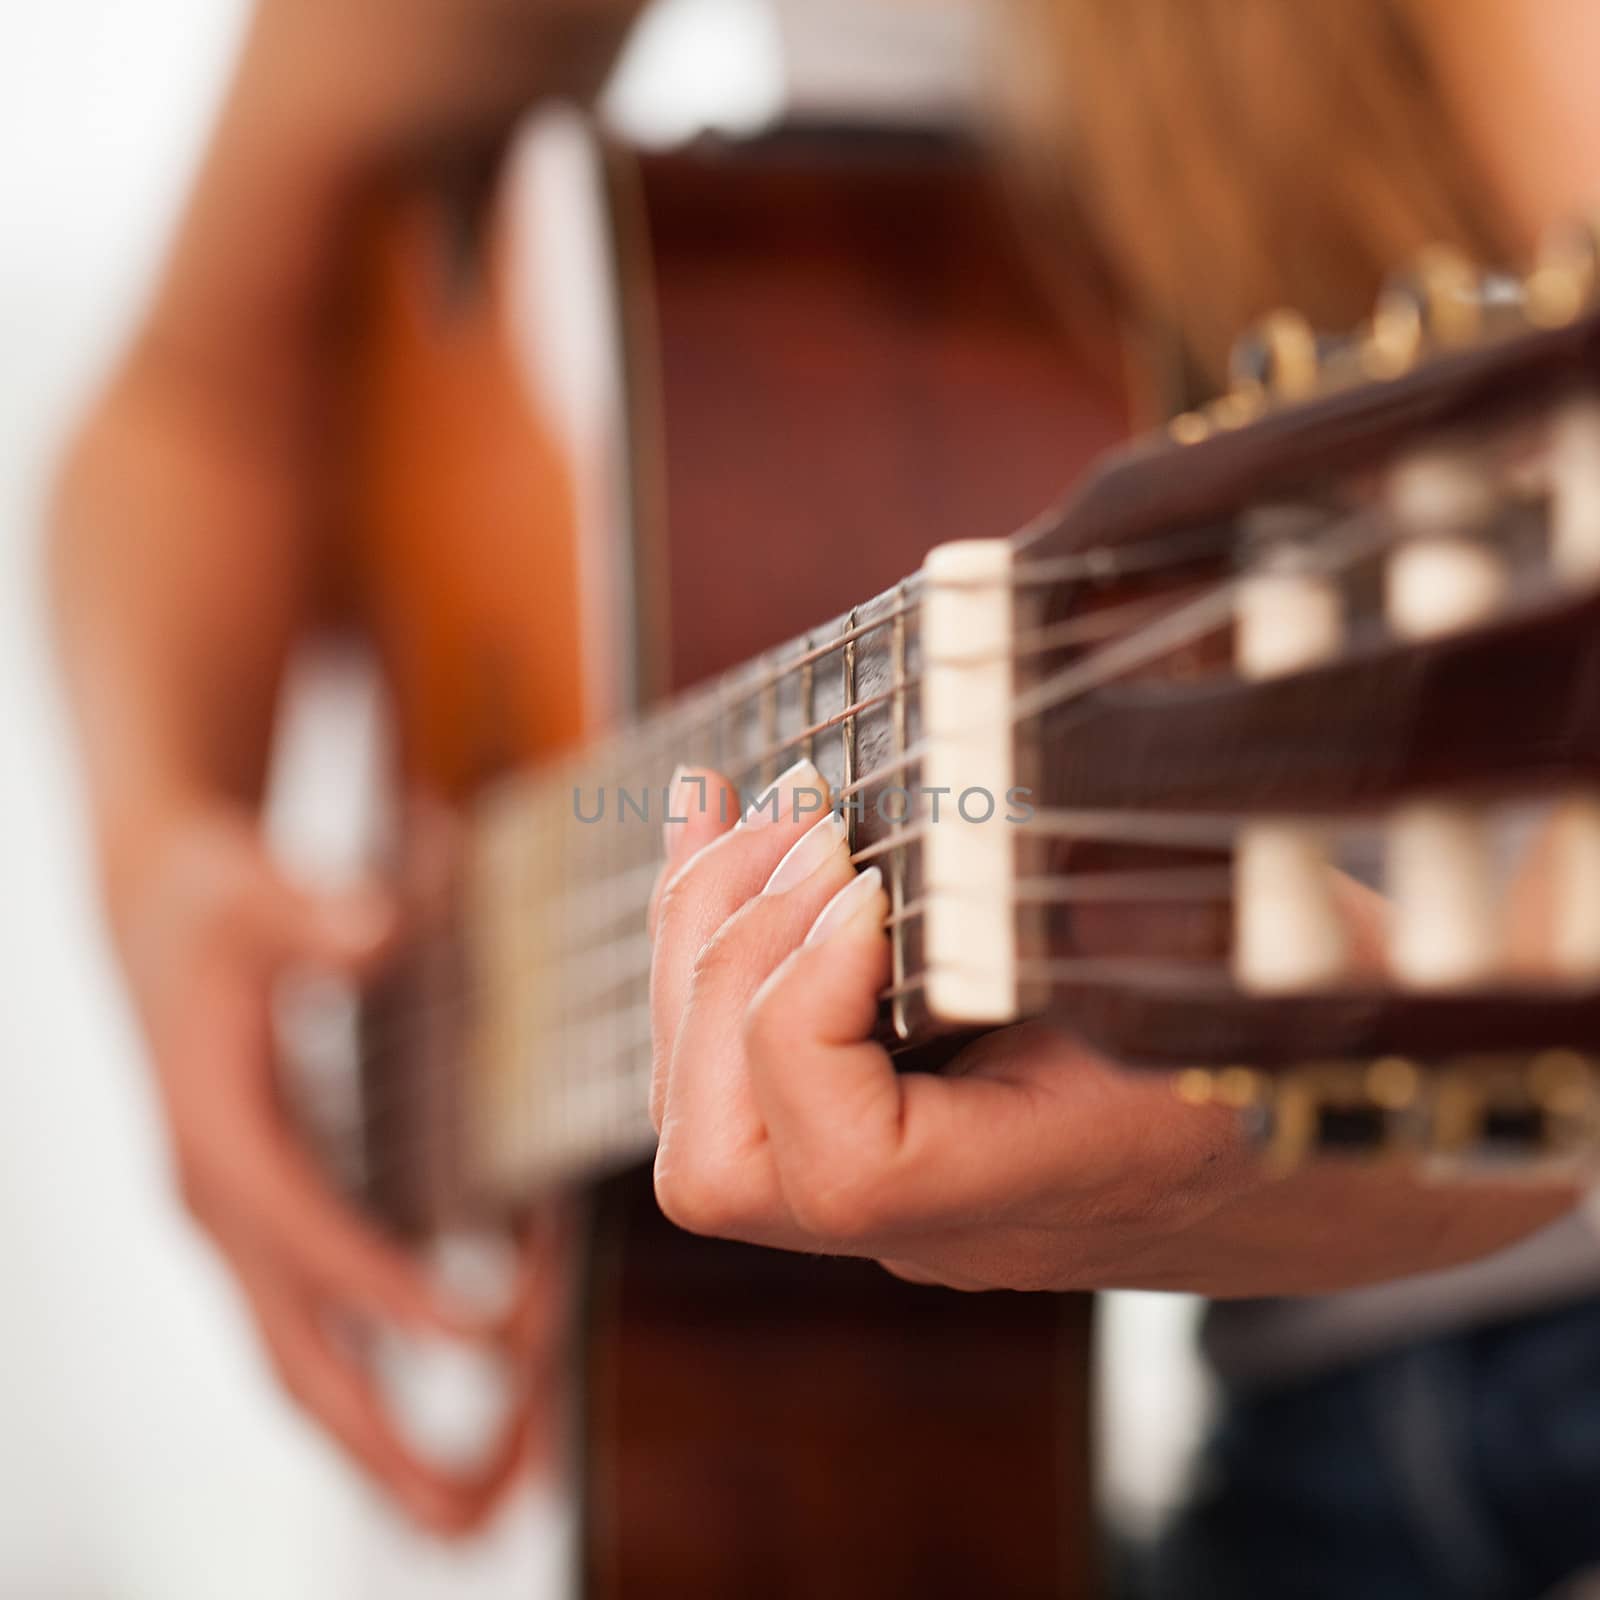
1232 767
1140 765
908 694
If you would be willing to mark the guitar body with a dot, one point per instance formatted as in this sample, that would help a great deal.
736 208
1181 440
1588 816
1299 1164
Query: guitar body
814 359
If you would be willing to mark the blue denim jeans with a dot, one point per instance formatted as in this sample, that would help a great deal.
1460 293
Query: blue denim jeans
1462 1468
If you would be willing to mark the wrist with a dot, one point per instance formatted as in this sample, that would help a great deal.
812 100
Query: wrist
136 842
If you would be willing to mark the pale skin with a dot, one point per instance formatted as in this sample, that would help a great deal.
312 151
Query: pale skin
1031 1164
187 564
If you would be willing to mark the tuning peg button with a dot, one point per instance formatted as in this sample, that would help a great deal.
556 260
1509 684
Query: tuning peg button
1566 276
1448 293
1574 491
1288 930
1444 575
1438 302
1277 356
1574 844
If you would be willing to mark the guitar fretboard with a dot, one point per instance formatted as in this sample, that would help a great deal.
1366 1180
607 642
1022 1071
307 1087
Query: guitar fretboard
566 857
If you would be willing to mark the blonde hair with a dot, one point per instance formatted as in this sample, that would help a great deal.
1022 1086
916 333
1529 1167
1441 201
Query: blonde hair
1225 157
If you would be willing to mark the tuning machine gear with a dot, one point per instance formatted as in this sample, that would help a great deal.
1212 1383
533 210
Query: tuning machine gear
1565 277
1438 303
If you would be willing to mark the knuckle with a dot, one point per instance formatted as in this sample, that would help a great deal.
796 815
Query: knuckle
767 1030
841 1208
721 960
706 1196
674 896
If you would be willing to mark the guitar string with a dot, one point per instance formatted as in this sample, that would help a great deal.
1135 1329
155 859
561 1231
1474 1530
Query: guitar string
1179 886
1175 627
897 838
1073 631
611 1063
1191 618
643 874
731 692
1172 628
621 1091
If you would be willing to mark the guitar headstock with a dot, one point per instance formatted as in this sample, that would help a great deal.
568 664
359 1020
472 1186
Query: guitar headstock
1308 691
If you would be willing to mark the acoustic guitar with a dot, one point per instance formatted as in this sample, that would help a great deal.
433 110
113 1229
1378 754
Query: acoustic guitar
1339 632
625 423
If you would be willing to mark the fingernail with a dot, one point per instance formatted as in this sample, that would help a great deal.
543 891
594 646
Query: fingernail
863 893
686 798
800 792
811 851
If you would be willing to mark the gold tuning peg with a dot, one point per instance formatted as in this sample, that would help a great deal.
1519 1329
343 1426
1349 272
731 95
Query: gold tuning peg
1277 356
1438 301
1564 279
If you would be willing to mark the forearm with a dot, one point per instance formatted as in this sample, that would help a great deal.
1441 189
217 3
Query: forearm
192 511
1329 1226
330 96
182 567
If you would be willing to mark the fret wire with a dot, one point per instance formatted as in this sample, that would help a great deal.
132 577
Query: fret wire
1095 565
812 654
1183 617
623 1060
565 1077
538 1099
769 730
598 1086
1085 629
840 719
644 876
1160 886
640 878
530 934
897 874
721 719
807 735
1091 566
727 692
1074 630
849 727
1174 829
884 769
808 706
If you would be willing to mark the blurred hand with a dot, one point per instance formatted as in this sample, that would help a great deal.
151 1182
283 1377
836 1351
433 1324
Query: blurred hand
206 927
1031 1163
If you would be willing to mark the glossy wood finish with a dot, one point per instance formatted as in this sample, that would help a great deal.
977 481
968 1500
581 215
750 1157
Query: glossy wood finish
853 366
848 364
1512 706
1157 487
764 1424
462 506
